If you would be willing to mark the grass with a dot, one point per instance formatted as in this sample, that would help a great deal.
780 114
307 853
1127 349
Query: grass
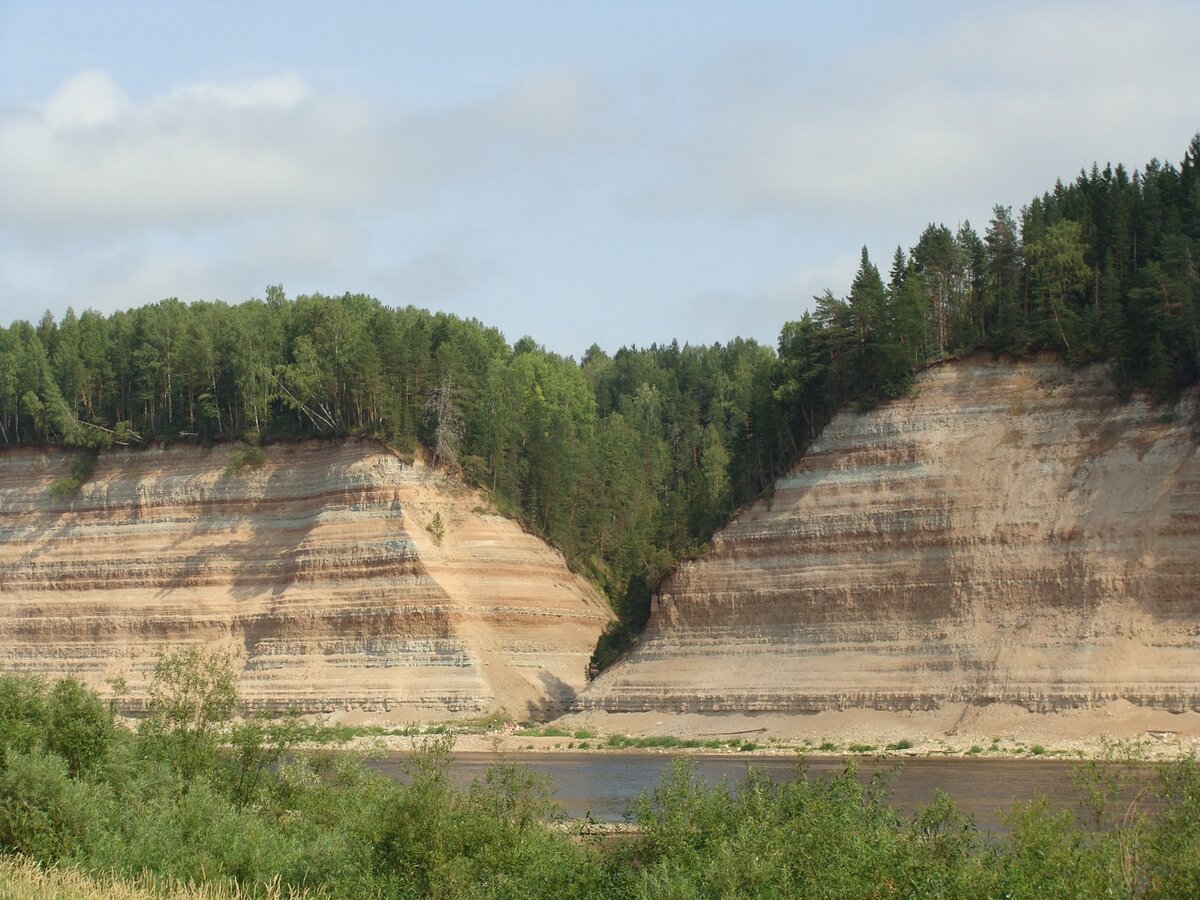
669 742
23 879
902 744
544 731
861 748
828 747
324 733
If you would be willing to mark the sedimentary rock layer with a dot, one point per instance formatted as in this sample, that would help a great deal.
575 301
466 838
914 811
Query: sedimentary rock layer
318 569
1009 533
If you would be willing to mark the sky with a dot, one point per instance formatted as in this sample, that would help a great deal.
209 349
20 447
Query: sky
620 173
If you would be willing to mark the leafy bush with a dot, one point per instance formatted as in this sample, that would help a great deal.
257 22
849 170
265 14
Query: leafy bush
45 813
195 797
243 457
192 698
79 726
81 470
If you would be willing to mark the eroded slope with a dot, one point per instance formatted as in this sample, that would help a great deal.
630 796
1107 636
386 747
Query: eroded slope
318 569
1009 534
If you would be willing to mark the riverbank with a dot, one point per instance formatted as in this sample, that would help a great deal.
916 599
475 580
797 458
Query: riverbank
994 731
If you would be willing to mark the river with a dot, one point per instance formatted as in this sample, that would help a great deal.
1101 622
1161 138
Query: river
604 785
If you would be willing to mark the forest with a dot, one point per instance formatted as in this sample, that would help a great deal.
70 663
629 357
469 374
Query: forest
629 461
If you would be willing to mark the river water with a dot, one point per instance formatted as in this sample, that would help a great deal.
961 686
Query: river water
604 785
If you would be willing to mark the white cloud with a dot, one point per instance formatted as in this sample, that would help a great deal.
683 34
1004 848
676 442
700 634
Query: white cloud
956 118
84 100
284 91
212 152
90 156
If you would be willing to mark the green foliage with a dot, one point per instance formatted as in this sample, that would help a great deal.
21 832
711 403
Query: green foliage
629 462
244 457
24 717
831 837
436 527
79 726
668 742
67 719
260 817
546 731
193 696
81 471
45 813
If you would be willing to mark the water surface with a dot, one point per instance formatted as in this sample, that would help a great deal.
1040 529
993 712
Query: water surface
604 785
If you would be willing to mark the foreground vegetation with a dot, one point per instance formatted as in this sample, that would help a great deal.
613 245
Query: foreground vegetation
194 804
629 461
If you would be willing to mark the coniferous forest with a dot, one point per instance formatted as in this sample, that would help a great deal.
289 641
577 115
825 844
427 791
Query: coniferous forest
630 461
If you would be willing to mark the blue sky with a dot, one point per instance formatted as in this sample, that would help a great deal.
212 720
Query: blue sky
620 173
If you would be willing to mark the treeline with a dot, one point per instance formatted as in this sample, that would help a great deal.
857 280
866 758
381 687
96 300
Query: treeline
246 810
625 461
1105 268
630 461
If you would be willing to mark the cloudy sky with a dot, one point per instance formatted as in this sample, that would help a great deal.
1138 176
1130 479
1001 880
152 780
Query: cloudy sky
581 172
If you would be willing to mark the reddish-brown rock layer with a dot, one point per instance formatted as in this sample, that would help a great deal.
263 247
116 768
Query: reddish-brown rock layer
1010 533
317 568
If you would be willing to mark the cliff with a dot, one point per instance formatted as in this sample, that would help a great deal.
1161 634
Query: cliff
1008 534
317 568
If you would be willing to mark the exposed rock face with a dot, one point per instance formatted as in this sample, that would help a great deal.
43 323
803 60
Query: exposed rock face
1011 533
318 568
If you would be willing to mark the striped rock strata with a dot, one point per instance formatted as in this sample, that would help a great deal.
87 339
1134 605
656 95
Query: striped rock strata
1011 533
317 569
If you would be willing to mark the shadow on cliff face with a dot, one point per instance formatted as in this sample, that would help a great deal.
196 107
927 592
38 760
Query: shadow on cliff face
280 524
558 697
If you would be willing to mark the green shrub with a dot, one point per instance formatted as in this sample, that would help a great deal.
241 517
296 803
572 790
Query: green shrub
436 527
24 718
902 744
546 731
243 457
193 696
80 726
47 815
81 470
